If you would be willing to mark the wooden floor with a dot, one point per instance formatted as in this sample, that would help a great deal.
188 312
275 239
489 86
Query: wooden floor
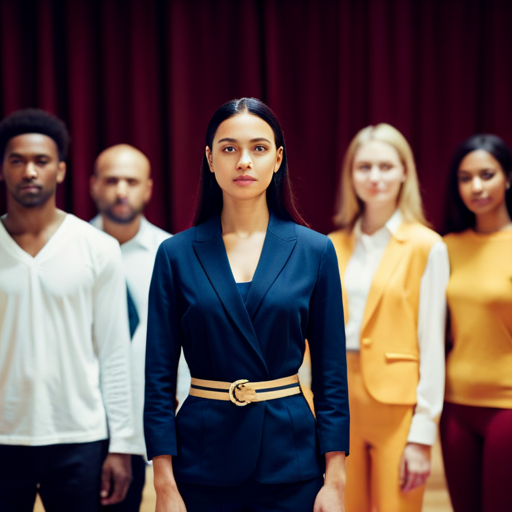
436 497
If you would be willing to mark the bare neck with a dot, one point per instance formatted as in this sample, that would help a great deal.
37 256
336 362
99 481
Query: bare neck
21 220
244 218
121 232
493 220
374 217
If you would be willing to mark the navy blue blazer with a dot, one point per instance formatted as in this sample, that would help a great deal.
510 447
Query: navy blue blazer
194 303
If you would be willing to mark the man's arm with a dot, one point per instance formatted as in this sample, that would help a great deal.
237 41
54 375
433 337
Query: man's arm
111 335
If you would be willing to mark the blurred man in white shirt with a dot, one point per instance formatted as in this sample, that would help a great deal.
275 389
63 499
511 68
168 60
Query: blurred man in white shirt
121 186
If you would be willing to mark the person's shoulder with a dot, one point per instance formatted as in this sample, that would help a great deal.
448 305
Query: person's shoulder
179 241
157 234
310 234
458 239
457 236
314 240
96 246
340 236
420 234
86 232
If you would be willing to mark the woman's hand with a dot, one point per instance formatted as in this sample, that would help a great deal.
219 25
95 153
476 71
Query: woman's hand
414 466
331 497
168 498
170 501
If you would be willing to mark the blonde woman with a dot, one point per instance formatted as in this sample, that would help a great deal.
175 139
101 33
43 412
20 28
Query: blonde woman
394 271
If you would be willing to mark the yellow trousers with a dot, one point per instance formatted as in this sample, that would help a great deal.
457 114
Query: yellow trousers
378 435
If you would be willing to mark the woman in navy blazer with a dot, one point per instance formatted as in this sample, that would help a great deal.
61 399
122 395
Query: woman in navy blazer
240 292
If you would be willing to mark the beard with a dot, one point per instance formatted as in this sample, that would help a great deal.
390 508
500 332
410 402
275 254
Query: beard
126 218
33 199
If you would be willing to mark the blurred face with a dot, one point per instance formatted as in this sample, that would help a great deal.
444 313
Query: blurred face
121 186
482 182
377 173
244 156
31 169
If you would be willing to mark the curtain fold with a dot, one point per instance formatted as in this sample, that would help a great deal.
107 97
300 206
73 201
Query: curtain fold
151 72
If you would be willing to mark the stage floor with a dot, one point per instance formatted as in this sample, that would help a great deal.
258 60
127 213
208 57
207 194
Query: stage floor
436 497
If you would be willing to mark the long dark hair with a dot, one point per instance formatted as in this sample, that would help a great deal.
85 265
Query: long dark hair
280 198
459 217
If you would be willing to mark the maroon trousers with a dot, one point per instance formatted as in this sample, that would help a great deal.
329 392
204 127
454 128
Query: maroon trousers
477 453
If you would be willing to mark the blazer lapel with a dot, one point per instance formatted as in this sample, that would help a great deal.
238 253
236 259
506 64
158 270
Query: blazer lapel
390 260
344 250
279 243
344 243
211 252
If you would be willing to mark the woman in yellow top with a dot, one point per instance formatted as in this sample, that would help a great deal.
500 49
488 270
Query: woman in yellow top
476 426
394 271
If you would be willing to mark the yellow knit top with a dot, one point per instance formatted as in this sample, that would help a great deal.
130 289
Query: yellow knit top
479 294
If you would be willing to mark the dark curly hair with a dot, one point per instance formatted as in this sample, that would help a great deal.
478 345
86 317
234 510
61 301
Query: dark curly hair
34 120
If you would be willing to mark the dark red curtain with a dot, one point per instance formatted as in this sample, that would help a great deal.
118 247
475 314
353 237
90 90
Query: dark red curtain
151 72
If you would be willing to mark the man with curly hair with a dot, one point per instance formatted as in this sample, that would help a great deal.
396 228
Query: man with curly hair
65 396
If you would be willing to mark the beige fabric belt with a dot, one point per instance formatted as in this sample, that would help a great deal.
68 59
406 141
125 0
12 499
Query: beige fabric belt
243 392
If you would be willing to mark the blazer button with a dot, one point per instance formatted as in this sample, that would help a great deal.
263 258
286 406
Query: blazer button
367 342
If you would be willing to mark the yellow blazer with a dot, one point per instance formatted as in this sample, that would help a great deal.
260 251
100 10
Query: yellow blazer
389 332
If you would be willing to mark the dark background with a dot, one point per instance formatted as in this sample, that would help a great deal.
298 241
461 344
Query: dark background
151 73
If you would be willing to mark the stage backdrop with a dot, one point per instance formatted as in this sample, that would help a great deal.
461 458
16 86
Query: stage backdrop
150 73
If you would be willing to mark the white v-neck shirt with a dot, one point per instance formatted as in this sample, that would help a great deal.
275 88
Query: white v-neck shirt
64 341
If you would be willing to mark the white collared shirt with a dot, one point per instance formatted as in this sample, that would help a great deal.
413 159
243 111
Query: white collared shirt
138 260
64 341
359 274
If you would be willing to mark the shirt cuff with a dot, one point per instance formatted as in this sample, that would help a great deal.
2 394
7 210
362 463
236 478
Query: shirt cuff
125 445
423 430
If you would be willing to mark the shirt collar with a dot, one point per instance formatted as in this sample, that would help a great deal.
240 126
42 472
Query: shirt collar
392 224
142 238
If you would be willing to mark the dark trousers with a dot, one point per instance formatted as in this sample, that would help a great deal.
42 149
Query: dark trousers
134 496
252 496
477 453
66 476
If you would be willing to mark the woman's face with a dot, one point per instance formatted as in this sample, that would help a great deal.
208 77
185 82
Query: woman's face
244 156
482 182
377 173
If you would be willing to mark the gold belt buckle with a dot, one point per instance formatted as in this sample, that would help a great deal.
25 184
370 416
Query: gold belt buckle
238 385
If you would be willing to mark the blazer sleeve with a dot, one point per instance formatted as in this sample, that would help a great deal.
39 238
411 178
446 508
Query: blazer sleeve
162 356
326 336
